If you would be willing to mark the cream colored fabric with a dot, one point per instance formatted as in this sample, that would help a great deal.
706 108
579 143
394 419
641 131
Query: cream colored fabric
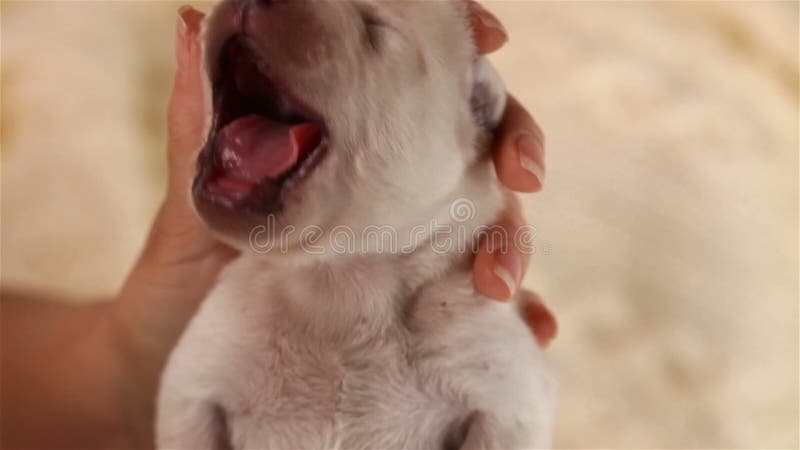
667 232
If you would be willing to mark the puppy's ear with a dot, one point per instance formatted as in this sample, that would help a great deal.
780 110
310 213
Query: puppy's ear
488 98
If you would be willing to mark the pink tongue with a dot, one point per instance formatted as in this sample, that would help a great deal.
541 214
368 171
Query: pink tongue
253 148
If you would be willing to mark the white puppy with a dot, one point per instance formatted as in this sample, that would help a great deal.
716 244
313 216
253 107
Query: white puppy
347 159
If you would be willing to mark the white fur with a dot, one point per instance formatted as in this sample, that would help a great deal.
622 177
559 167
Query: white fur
370 350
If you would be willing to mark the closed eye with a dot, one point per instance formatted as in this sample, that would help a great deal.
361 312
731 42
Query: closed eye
375 27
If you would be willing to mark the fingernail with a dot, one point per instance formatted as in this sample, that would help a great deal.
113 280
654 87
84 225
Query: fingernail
531 156
505 276
507 267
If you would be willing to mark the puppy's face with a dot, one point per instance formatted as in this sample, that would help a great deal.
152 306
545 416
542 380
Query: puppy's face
335 113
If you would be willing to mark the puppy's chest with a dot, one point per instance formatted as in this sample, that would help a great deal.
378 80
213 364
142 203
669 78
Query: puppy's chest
306 393
340 376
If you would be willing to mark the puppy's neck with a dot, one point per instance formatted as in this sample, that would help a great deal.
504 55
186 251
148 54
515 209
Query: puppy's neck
334 295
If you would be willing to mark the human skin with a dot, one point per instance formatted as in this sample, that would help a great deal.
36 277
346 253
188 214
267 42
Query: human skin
87 376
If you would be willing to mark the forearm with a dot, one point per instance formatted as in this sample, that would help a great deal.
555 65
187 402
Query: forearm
62 377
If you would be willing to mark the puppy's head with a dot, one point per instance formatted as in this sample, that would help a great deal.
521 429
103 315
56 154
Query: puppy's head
339 113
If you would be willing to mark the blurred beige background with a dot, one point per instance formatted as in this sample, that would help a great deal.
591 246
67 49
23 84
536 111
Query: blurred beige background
669 219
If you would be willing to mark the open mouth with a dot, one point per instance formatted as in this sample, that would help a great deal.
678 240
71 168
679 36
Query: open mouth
262 140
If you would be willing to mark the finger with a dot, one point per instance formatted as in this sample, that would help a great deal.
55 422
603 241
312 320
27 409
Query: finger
519 150
539 318
500 263
186 114
187 28
488 32
187 90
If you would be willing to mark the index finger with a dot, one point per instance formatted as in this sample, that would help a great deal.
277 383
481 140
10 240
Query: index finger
488 32
519 150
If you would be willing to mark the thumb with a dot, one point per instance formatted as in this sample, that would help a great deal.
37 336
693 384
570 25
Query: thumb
186 115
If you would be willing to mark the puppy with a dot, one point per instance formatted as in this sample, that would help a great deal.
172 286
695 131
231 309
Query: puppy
347 159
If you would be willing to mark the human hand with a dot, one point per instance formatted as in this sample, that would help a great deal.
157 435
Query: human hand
519 161
181 259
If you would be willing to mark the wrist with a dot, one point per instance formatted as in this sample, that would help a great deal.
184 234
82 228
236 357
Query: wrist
132 386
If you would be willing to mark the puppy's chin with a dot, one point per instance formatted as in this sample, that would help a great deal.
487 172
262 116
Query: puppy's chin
255 232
